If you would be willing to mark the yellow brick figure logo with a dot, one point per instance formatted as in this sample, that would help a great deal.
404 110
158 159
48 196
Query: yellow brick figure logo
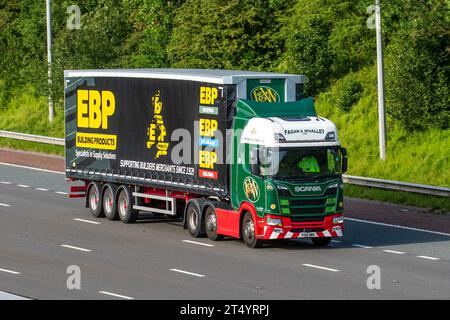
156 131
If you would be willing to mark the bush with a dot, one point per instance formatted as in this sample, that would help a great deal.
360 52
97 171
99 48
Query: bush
350 92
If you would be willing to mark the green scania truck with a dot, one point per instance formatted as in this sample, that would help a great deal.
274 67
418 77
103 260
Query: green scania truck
230 153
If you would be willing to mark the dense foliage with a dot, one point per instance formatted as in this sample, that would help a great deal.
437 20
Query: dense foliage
326 40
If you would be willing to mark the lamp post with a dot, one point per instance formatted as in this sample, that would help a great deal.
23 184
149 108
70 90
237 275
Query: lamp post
49 60
380 71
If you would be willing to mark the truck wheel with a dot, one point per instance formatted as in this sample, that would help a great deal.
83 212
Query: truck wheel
94 202
321 242
249 232
109 202
125 207
211 224
193 219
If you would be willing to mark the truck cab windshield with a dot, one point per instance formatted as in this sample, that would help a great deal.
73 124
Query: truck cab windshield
289 163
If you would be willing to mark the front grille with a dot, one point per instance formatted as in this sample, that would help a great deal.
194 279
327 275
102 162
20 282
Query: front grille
297 211
308 202
307 219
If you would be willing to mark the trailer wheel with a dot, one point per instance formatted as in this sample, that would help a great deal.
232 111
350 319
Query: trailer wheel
125 207
193 219
249 232
94 200
110 203
321 242
211 224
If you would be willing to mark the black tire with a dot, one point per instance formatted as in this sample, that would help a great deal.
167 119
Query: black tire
194 222
248 232
94 202
321 242
211 224
125 206
109 202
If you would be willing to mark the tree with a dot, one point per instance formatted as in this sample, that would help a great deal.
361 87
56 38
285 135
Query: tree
233 34
418 66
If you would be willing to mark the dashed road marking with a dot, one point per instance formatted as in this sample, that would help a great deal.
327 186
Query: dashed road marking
116 295
187 272
428 258
319 267
5 182
31 168
87 221
4 205
75 248
199 243
41 189
61 192
23 186
361 246
9 271
394 251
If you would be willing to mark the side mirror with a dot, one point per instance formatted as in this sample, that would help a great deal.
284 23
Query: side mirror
344 160
254 162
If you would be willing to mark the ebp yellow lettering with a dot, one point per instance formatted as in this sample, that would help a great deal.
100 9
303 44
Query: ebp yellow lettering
208 127
94 108
207 159
208 95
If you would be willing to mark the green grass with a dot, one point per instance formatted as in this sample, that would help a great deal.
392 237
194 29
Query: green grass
433 204
29 114
421 157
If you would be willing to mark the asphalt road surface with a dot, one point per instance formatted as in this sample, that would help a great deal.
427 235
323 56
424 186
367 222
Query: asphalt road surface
42 233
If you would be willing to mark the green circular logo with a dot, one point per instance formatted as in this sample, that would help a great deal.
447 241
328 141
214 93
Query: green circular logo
251 189
264 94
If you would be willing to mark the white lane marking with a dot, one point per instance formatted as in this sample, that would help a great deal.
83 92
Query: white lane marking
397 226
428 258
41 189
75 248
9 271
116 295
5 182
31 168
393 251
60 192
199 243
87 221
361 246
9 296
4 205
23 186
187 272
319 267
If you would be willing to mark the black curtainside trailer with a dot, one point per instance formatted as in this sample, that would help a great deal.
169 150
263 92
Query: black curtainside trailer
165 133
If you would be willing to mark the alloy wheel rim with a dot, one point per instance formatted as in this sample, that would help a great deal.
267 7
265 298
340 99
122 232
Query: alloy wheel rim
211 222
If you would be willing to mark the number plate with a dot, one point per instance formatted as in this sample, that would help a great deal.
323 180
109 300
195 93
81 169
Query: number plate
308 234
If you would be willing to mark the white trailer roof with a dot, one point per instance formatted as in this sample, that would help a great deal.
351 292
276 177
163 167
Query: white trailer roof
202 75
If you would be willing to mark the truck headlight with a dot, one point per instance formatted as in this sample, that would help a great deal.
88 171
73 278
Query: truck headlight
273 222
338 220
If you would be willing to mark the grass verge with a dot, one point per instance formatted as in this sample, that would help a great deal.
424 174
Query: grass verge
31 146
432 204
